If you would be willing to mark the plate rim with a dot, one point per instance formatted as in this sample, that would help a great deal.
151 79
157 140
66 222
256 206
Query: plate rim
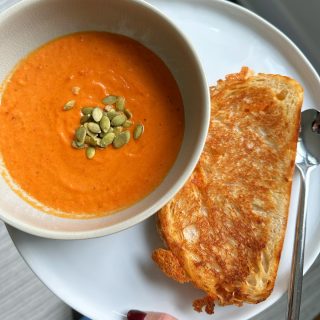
311 70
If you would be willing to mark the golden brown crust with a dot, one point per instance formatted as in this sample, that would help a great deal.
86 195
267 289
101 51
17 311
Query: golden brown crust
169 264
226 226
207 303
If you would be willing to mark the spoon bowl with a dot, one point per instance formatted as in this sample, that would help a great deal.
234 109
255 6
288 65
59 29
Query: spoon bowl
308 148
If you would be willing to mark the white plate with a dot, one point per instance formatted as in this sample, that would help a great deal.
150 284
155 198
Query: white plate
105 277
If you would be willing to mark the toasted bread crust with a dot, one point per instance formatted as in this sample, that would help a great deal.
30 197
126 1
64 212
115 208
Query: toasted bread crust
226 226
169 264
207 303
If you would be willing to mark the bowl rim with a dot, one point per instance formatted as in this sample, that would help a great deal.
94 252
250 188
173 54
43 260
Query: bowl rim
175 187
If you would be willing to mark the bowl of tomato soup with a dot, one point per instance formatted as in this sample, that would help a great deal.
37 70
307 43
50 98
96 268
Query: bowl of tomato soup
104 113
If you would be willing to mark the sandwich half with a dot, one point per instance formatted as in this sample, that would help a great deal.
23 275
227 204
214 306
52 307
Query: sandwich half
225 228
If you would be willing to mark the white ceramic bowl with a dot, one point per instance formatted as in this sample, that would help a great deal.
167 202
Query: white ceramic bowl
32 23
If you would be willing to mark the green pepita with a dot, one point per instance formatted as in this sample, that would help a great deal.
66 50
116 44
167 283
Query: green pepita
109 100
108 107
91 141
87 139
86 110
97 114
138 131
120 103
94 127
128 113
69 105
98 141
112 113
90 152
93 135
85 118
81 134
101 127
127 124
121 139
102 134
118 120
77 145
117 130
107 139
105 124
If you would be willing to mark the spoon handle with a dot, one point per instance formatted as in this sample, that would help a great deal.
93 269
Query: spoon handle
295 286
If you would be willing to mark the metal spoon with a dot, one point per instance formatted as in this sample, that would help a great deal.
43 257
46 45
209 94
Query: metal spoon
307 159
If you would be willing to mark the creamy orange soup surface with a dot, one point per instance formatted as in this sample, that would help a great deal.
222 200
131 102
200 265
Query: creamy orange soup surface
36 133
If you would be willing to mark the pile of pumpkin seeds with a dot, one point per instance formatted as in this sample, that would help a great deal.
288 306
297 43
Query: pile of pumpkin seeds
101 127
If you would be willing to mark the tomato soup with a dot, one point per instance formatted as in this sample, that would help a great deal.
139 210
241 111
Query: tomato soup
36 132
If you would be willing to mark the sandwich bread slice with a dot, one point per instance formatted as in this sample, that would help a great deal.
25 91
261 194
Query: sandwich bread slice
224 230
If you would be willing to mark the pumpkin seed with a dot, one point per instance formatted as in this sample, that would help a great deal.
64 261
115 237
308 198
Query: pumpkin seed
87 139
112 113
77 145
81 134
86 110
90 152
102 134
107 139
117 130
101 127
121 139
138 131
69 105
128 113
97 114
118 120
89 133
91 141
94 127
92 135
80 145
109 100
105 124
85 118
75 90
120 103
127 124
108 107
98 141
